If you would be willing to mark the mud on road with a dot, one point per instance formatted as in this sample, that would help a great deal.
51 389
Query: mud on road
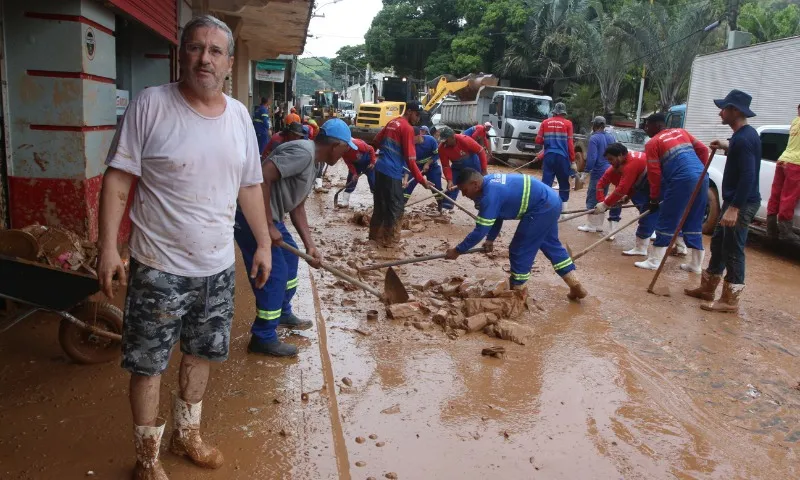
623 385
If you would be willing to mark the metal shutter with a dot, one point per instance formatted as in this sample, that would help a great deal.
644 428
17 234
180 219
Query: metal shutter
159 15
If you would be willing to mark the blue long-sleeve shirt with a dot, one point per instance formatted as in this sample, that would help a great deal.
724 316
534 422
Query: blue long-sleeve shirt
505 197
427 151
741 175
596 162
261 120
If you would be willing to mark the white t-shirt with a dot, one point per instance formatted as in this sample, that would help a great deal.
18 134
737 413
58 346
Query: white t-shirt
190 169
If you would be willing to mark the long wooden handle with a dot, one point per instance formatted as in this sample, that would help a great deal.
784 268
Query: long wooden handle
336 272
586 250
474 217
431 197
575 215
413 260
524 165
570 212
683 220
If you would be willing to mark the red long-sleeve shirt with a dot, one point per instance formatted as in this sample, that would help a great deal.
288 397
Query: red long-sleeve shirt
464 147
480 134
353 156
666 145
396 144
556 135
624 179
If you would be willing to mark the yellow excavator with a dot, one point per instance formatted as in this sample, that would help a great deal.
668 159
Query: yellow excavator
372 117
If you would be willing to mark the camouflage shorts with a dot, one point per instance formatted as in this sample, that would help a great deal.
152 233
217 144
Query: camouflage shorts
160 307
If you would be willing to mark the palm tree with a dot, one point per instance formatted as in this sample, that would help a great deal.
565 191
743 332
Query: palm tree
666 42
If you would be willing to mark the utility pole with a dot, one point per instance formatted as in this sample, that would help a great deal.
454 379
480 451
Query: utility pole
733 15
641 91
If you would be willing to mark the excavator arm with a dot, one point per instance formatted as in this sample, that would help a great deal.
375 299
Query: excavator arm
444 88
466 88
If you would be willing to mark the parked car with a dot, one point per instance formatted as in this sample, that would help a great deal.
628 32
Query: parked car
633 139
773 142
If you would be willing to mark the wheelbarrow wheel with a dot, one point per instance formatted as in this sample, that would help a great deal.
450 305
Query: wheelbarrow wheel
83 346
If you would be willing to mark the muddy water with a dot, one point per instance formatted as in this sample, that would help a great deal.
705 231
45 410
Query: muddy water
624 385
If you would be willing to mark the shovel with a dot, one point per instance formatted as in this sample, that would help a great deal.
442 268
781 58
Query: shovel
394 290
664 291
474 217
590 247
406 261
336 195
569 212
524 165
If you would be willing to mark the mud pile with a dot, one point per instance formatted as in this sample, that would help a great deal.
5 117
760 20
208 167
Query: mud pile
461 305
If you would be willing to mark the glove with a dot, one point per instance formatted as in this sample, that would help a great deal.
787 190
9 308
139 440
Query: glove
573 166
653 206
600 207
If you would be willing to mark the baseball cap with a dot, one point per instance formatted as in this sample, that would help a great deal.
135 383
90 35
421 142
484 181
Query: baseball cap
414 106
425 129
599 120
295 128
445 133
336 128
560 109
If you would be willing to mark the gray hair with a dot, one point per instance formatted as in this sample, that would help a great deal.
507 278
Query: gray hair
207 21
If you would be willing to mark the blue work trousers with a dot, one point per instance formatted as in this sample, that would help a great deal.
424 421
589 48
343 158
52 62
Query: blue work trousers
273 300
362 168
434 177
470 162
676 197
647 224
557 167
727 245
614 214
538 231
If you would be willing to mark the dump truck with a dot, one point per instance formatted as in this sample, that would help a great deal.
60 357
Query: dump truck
372 117
515 115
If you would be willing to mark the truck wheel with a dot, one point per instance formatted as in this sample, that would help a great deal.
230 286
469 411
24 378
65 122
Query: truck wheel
84 347
712 211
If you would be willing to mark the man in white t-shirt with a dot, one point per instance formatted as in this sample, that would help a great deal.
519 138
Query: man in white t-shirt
195 154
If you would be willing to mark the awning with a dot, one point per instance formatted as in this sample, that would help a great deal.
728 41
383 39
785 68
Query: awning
269 27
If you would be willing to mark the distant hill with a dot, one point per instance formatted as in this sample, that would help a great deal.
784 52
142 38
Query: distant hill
313 73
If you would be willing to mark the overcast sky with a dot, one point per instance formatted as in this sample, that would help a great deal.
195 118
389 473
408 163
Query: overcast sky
345 23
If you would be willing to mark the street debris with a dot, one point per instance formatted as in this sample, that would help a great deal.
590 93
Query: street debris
495 351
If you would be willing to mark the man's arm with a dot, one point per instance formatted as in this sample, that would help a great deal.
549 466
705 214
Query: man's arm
300 222
372 157
379 138
591 154
495 230
410 151
623 188
604 181
113 200
271 175
747 172
653 169
571 141
252 204
474 147
700 149
446 170
540 135
487 219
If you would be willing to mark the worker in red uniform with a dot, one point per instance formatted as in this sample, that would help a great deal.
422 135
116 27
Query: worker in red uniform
480 133
628 173
457 152
555 134
675 161
359 162
397 152
292 131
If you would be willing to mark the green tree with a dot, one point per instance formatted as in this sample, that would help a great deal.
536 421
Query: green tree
350 60
767 22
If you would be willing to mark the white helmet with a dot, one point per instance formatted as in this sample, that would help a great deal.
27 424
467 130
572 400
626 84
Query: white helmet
488 124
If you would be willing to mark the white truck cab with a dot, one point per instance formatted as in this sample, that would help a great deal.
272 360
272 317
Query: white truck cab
516 118
773 142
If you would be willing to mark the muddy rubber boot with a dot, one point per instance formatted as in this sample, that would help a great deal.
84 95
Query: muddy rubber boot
728 302
186 434
318 184
695 264
344 202
594 223
785 232
611 227
654 260
576 290
707 289
273 349
680 250
564 207
147 441
640 249
292 321
772 226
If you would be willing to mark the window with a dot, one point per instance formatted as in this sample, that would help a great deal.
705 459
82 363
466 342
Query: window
525 108
674 120
773 145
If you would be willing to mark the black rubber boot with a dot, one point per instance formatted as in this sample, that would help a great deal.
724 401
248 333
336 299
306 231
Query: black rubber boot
785 232
291 321
273 349
772 226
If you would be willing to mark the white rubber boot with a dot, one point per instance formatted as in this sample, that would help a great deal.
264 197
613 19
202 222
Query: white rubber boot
344 200
680 248
594 223
564 207
611 227
186 438
653 236
654 260
147 441
318 184
640 249
695 265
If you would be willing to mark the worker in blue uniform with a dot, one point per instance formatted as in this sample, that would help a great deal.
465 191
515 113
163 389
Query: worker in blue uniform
536 206
428 163
261 123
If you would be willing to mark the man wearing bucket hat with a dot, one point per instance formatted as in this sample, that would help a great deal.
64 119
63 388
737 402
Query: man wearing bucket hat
293 131
289 174
740 202
555 134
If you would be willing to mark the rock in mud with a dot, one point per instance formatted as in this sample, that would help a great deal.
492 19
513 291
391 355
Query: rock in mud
430 284
380 444
391 476
423 326
514 332
347 381
471 288
361 218
372 436
495 351
505 307
361 464
346 286
440 317
348 302
360 440
389 411
478 322
405 311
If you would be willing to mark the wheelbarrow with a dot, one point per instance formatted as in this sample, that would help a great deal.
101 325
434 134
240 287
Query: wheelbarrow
89 332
